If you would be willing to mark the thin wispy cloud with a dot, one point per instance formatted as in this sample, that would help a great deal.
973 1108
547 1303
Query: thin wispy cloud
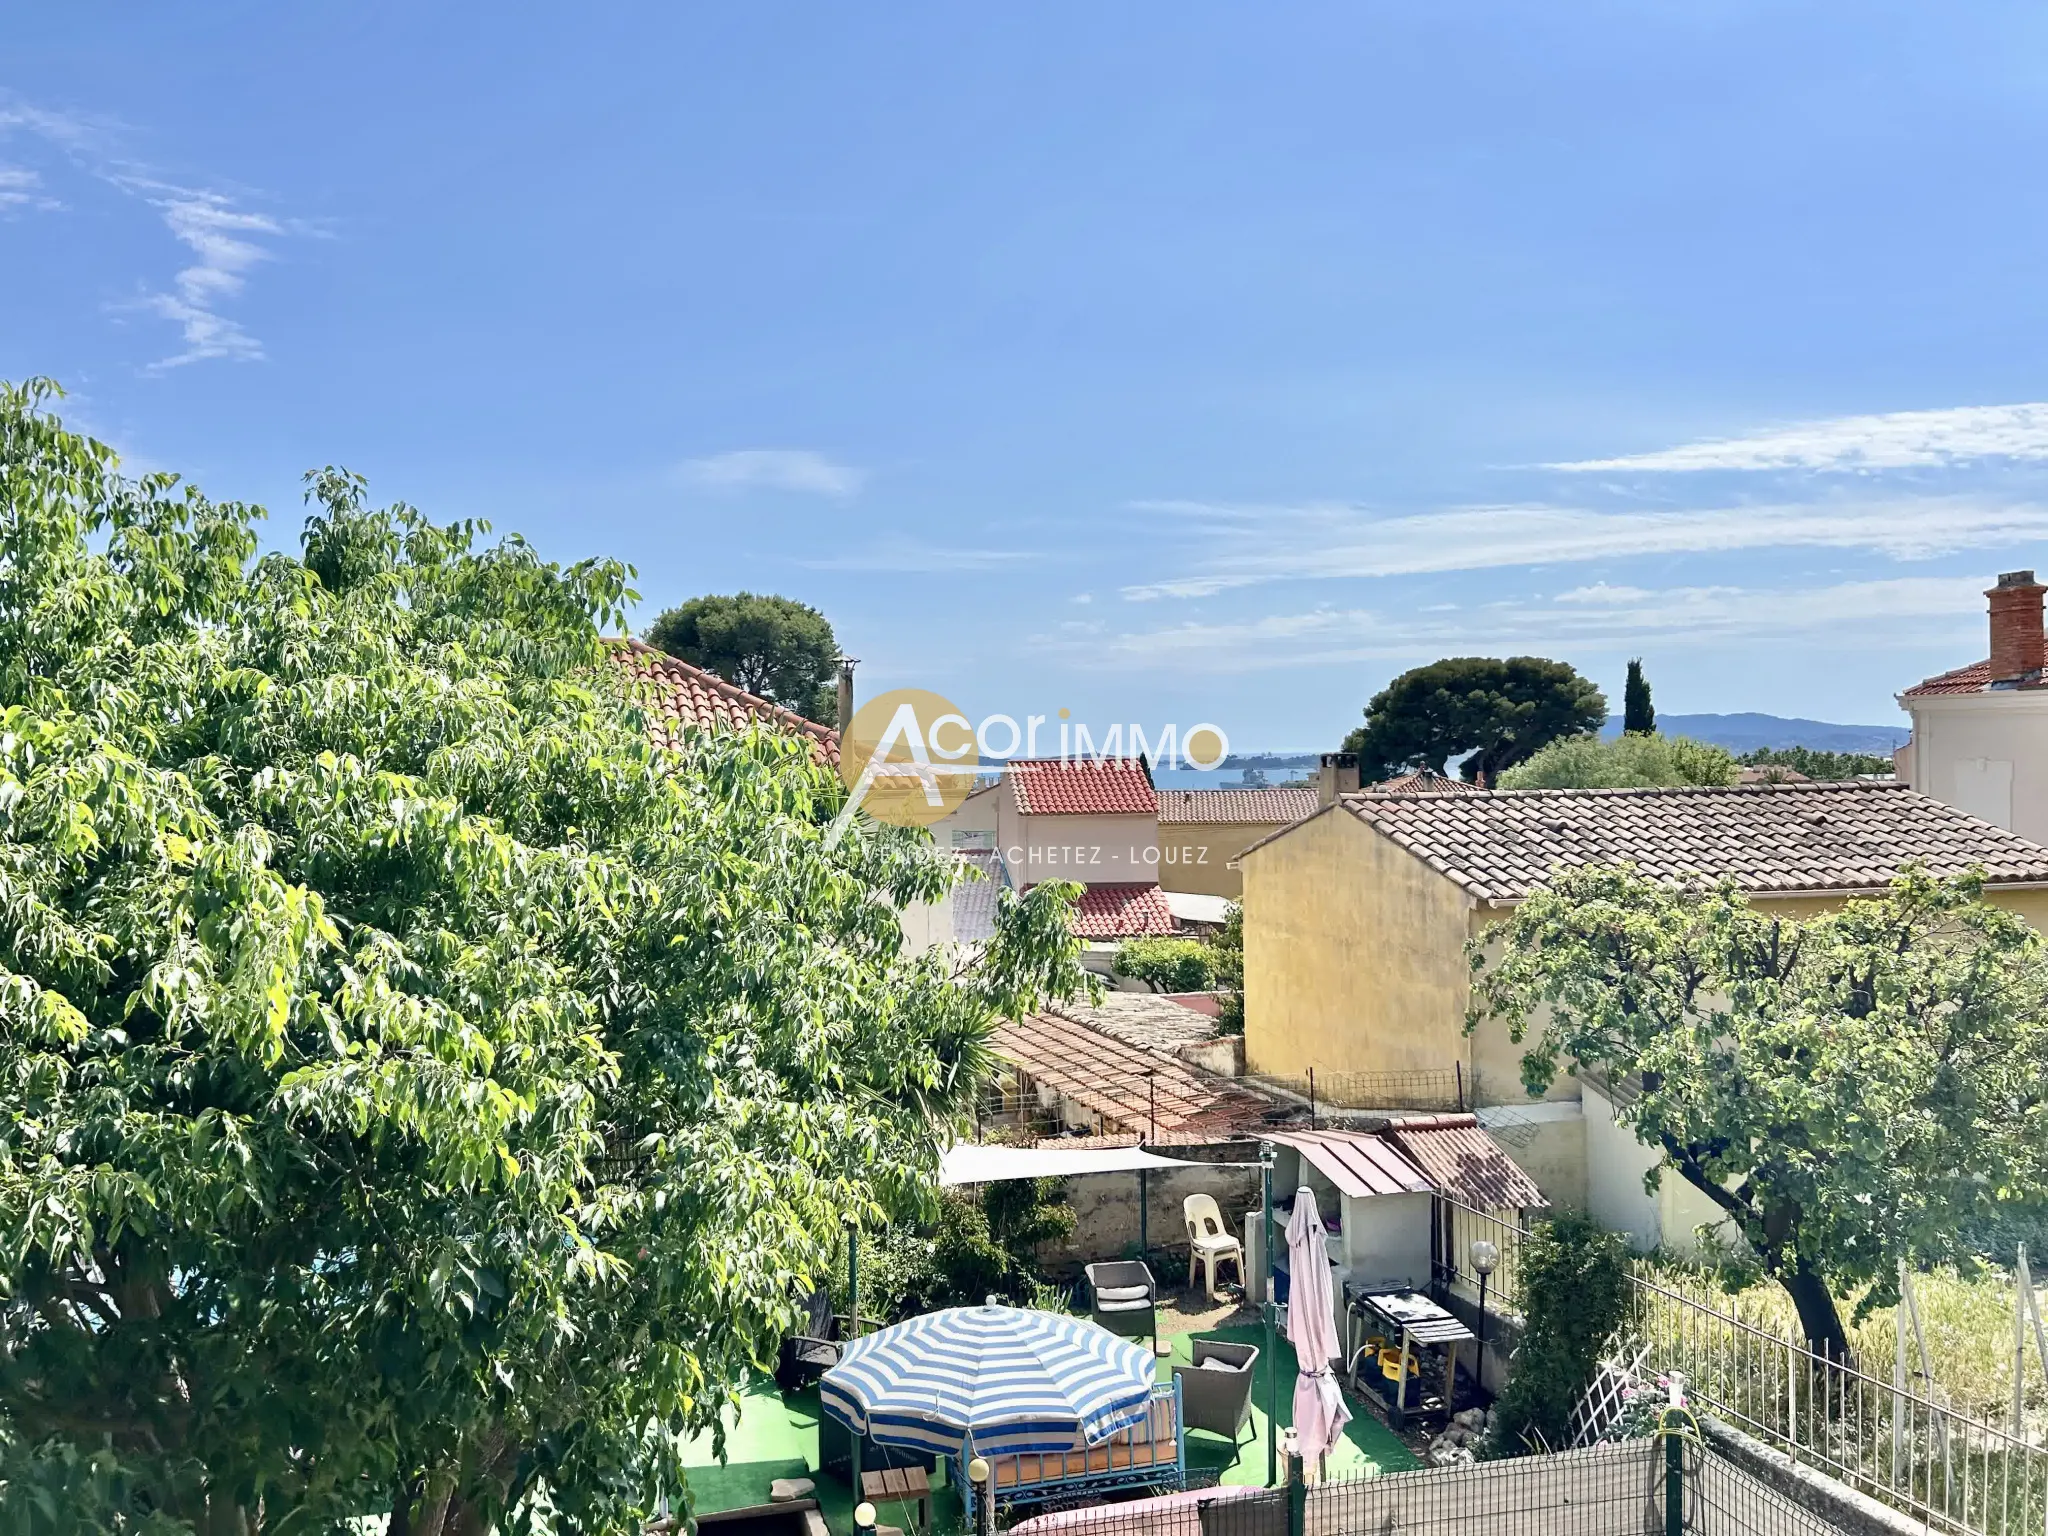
775 469
910 557
22 189
224 239
1900 612
1323 542
1893 440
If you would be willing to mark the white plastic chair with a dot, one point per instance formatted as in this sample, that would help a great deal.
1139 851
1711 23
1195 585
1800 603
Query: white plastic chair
1209 1240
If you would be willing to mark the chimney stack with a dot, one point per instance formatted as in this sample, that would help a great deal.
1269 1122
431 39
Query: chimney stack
2017 649
1338 775
846 666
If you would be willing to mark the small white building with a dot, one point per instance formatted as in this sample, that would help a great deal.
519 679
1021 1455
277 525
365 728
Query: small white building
1980 732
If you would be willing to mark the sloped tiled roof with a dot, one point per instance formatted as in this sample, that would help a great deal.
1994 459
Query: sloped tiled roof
1974 678
680 698
1116 786
1423 782
1123 911
1144 1019
1771 839
1130 1089
1463 1160
1274 807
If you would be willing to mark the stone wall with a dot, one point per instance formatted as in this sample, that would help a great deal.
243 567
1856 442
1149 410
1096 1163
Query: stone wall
1106 1208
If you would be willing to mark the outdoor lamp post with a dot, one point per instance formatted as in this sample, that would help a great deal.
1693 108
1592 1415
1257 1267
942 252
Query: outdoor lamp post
1272 1312
1484 1257
981 1477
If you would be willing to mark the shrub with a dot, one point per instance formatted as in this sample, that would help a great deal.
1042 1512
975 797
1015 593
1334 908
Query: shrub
975 1248
1623 762
1168 965
1574 1290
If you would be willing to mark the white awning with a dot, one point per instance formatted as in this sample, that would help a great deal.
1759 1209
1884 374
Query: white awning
1189 907
970 1163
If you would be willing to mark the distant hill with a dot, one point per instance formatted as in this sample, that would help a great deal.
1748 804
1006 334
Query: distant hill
1745 733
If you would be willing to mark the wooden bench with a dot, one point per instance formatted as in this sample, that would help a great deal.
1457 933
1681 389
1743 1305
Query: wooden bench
900 1485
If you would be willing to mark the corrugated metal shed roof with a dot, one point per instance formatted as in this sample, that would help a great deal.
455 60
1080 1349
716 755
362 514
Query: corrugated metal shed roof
1359 1163
1461 1159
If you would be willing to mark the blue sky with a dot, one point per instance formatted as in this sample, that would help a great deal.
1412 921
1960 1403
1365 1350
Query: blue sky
1188 362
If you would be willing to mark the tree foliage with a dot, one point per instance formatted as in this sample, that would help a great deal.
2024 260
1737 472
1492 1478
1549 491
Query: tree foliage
1168 965
1811 764
1500 712
1851 1089
774 647
980 1243
1638 717
1574 1292
418 1093
1623 762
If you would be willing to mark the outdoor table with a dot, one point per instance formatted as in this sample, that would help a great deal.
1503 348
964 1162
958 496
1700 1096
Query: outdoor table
1421 1321
900 1485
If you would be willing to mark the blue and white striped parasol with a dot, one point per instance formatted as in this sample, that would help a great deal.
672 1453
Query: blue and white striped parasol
1012 1379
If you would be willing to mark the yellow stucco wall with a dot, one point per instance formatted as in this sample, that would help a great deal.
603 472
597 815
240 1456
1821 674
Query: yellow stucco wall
1355 962
1354 956
1195 855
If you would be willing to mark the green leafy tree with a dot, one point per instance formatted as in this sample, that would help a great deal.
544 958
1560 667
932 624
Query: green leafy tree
1623 762
774 647
1573 1279
1808 763
1851 1089
1500 712
420 1096
1637 716
1167 965
1226 946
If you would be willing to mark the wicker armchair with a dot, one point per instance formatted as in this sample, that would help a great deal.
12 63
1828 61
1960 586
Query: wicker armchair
1219 1401
1124 1298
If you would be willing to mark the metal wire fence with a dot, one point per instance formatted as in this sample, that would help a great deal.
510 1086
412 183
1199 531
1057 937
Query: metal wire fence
1898 1443
1451 1089
1621 1489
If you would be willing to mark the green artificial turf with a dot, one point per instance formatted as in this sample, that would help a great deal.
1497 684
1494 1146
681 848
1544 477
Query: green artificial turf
773 1436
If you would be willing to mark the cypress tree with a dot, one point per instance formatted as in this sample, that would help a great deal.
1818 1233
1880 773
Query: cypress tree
1636 713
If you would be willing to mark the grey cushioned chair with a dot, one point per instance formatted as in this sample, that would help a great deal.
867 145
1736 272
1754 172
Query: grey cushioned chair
1219 1401
1124 1298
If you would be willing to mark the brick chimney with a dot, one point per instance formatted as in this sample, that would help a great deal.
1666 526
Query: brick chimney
1338 775
2017 649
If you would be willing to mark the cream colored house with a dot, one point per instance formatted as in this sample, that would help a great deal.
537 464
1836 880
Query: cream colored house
1356 921
1202 831
1980 733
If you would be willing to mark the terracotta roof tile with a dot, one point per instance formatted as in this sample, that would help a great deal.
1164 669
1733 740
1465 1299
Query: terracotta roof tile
1274 807
1423 782
680 698
1130 1089
1116 786
1826 837
1463 1160
1123 911
1974 678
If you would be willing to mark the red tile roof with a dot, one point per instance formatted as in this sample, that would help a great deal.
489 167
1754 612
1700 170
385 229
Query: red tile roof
1270 807
1116 786
1130 1089
680 698
1771 839
1423 782
1121 911
1974 678
1463 1160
